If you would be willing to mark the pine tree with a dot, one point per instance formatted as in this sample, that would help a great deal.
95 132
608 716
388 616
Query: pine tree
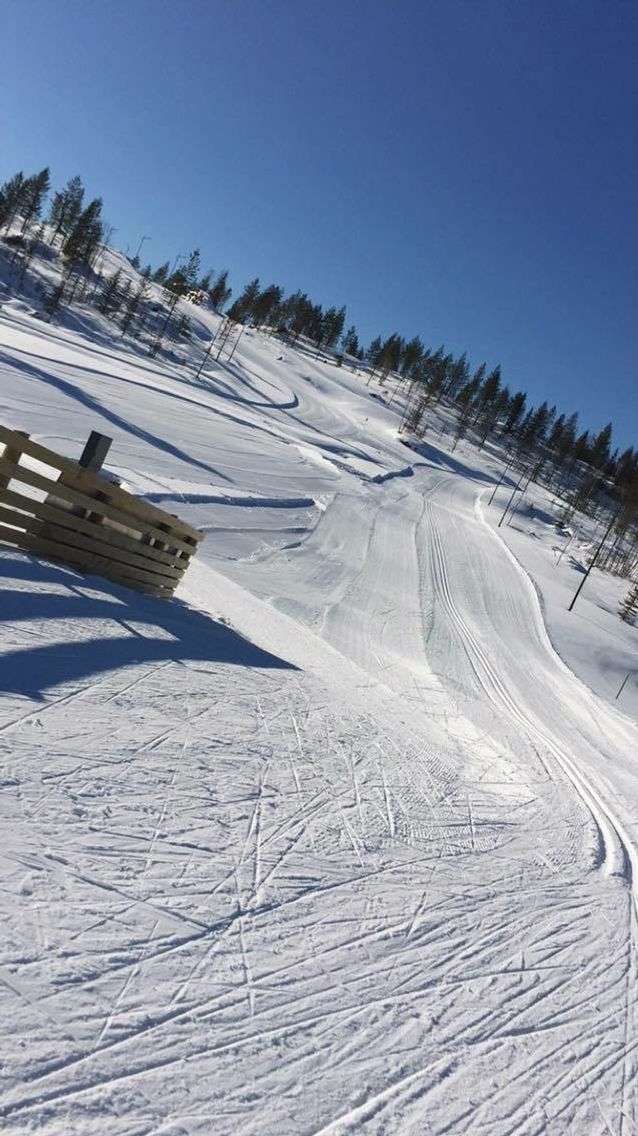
556 432
465 400
581 448
332 322
492 412
486 398
35 191
182 328
534 426
266 305
11 198
184 279
191 270
109 297
220 293
66 207
54 300
600 447
626 468
515 412
411 355
132 308
373 351
458 375
390 356
567 441
351 342
83 240
160 275
242 309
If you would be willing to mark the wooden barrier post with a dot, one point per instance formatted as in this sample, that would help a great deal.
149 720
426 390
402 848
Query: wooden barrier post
12 454
95 451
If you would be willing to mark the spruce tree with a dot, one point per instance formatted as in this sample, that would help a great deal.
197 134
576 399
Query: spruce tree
486 396
373 351
351 342
332 326
82 243
66 207
132 308
220 293
54 299
458 375
465 400
109 297
191 270
12 195
266 305
411 355
390 356
160 275
35 191
515 412
242 309
600 447
567 441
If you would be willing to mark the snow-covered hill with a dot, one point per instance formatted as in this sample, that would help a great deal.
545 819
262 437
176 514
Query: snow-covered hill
335 842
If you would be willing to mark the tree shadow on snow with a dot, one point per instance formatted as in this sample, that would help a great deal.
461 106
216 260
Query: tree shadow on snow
91 402
126 629
442 459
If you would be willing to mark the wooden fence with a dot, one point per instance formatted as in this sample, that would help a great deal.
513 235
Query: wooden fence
75 516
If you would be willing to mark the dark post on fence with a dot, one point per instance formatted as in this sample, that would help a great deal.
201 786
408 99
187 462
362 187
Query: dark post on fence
95 451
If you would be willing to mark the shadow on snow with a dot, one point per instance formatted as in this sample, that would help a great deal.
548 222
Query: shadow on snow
130 629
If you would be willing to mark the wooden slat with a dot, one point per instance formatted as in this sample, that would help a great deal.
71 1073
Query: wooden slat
86 480
86 562
68 537
130 505
20 520
71 539
48 512
103 508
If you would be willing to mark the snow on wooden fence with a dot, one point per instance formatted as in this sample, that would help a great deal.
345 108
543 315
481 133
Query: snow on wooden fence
77 517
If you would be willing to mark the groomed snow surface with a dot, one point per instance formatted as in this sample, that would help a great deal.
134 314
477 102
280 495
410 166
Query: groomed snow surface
338 841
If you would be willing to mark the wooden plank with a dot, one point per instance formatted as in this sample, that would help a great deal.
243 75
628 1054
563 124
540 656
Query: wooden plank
21 520
84 480
72 539
56 534
75 497
132 506
49 512
89 563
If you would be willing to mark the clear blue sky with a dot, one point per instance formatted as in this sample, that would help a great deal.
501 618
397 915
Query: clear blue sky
467 171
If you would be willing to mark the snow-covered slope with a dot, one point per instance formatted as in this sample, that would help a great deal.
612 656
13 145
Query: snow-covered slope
336 842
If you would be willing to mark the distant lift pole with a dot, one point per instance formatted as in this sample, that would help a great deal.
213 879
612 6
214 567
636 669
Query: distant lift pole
514 492
594 559
501 478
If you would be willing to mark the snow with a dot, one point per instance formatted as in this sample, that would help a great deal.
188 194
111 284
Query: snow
342 839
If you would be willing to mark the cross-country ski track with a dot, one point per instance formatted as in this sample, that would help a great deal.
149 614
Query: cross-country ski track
335 842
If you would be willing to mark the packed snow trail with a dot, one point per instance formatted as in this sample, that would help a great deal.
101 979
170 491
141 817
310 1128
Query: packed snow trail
358 859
